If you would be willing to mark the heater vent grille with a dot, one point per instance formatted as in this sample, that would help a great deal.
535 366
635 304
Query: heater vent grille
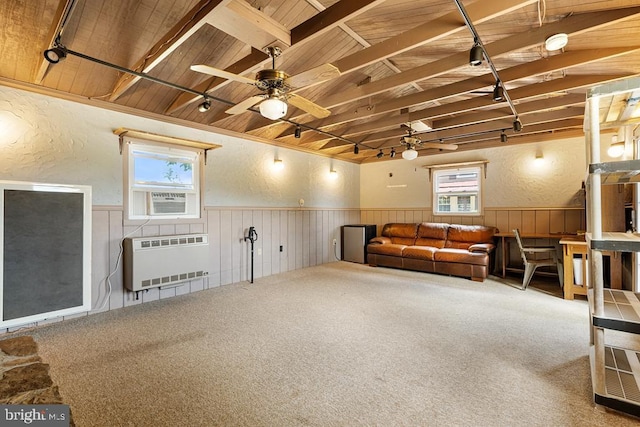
165 260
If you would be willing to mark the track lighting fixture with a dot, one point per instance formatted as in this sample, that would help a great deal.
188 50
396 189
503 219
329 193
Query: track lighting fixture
380 154
517 125
356 150
498 92
392 154
55 54
503 136
298 131
475 55
206 104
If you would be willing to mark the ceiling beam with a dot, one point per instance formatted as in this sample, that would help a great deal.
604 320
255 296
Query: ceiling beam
58 20
250 25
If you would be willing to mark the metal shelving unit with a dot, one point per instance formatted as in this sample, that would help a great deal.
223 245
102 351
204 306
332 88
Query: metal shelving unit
615 371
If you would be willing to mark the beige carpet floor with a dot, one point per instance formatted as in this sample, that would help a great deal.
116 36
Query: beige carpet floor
335 345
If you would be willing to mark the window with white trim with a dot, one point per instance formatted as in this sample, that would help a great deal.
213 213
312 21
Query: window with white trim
162 181
457 191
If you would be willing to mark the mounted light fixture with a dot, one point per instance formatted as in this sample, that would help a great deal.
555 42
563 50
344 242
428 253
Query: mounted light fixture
556 41
278 164
204 107
55 54
616 149
410 153
273 108
392 153
380 154
475 55
356 150
503 136
333 174
498 92
517 125
298 132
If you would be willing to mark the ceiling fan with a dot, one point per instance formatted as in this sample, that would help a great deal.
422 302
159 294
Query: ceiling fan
276 85
411 143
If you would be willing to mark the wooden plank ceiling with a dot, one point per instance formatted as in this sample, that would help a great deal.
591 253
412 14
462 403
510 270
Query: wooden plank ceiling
400 61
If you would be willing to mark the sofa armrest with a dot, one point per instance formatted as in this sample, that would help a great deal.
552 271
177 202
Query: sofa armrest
482 247
380 240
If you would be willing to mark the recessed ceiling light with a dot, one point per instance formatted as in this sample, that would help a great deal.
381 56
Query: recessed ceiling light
556 41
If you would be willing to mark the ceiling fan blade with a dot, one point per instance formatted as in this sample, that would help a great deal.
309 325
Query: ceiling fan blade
221 73
315 75
440 146
241 107
308 106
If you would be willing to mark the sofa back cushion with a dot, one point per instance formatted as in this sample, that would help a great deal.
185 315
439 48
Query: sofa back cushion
463 236
432 234
400 233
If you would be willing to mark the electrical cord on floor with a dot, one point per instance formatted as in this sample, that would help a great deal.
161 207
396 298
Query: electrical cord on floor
335 250
107 279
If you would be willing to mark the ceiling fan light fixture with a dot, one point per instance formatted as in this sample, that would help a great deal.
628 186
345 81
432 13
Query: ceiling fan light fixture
55 54
410 153
204 107
556 41
475 55
273 108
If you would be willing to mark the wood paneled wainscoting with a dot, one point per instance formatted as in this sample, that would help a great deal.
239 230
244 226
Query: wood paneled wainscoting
529 221
305 234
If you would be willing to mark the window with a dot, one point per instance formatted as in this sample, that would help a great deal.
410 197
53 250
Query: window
162 181
457 191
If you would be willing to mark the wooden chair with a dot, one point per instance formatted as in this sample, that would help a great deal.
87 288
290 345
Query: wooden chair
531 263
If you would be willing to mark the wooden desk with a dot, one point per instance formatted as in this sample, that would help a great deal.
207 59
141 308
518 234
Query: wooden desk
504 243
576 245
570 247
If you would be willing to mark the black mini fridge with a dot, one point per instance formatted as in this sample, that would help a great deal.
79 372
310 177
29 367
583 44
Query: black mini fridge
354 241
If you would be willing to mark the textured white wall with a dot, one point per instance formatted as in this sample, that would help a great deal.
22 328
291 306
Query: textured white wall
513 177
46 139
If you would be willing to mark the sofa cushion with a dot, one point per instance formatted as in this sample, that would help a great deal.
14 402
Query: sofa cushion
461 256
386 249
400 233
419 252
432 234
463 236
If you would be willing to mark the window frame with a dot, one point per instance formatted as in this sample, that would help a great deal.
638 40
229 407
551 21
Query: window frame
437 172
132 197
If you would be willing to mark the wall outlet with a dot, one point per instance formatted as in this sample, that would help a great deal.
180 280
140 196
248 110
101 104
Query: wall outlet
335 242
281 248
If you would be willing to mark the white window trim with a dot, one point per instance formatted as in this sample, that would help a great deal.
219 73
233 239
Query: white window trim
435 194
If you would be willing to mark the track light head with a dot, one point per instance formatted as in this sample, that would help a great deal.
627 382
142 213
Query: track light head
298 131
503 137
55 54
517 125
356 150
380 154
475 55
204 107
498 93
392 154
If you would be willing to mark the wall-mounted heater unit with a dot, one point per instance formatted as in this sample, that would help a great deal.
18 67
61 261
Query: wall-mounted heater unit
150 262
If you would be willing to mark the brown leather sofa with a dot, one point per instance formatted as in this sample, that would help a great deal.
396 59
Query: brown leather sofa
457 250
